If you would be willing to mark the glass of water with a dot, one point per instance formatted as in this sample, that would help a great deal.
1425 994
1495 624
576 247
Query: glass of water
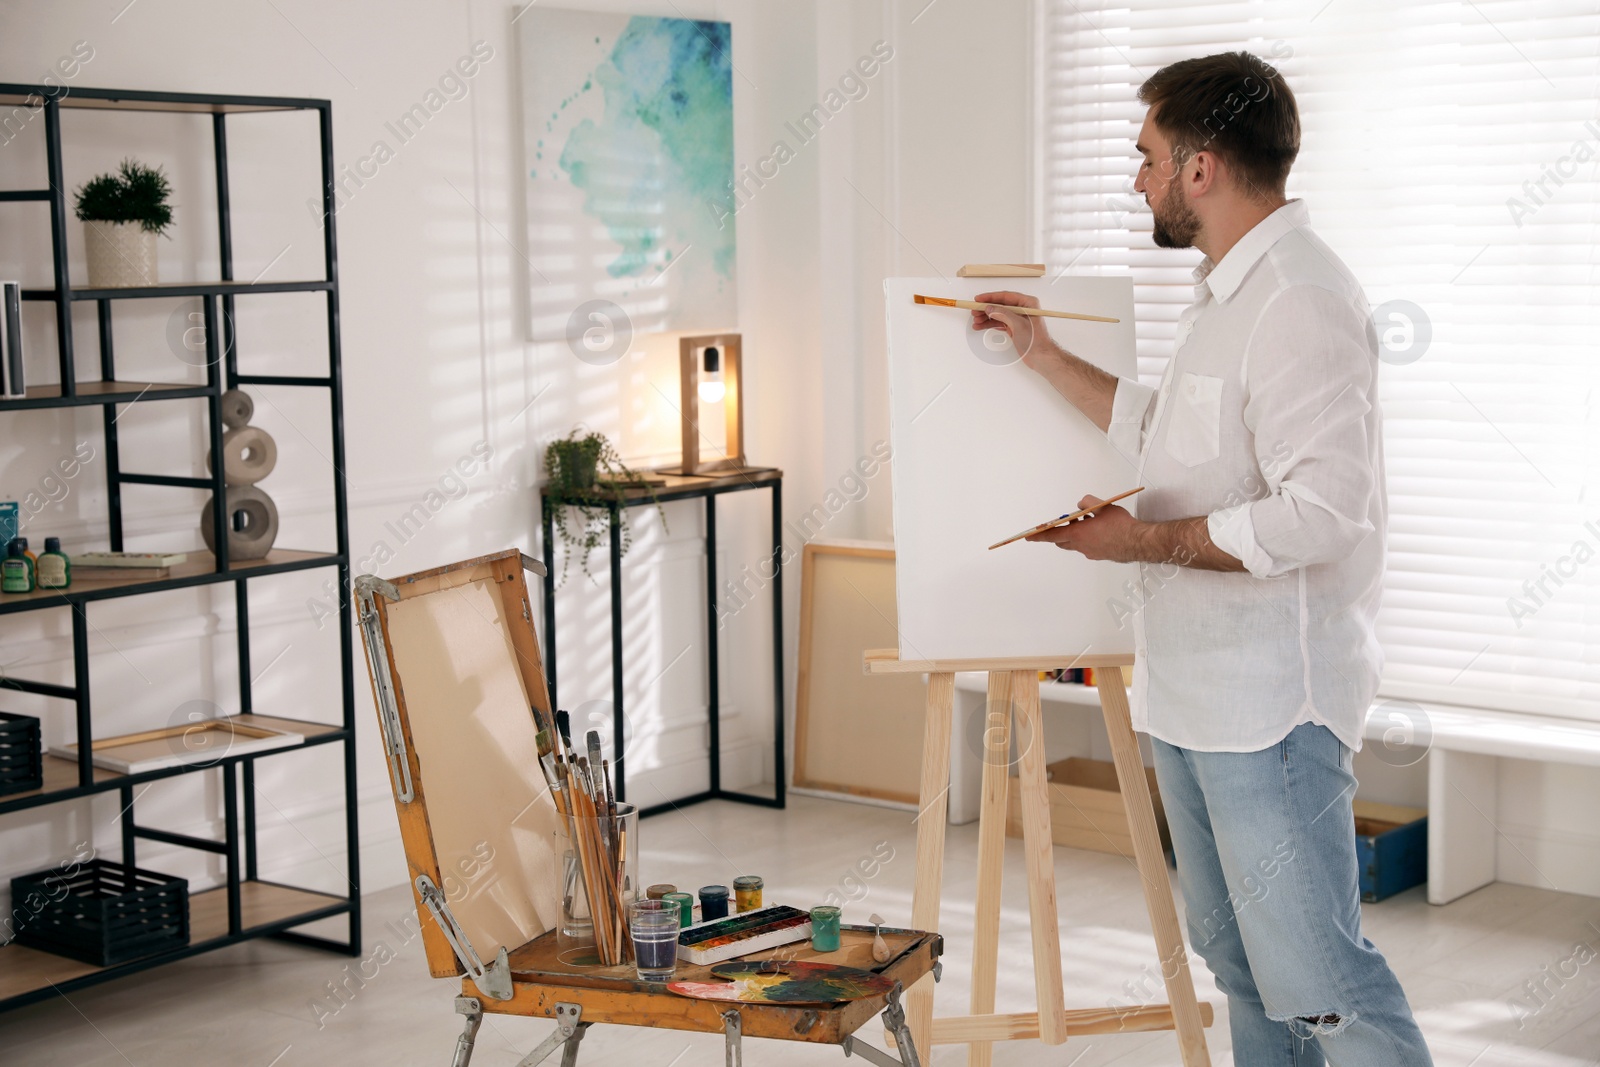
653 925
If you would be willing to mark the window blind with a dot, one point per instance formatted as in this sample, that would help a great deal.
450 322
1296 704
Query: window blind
1450 155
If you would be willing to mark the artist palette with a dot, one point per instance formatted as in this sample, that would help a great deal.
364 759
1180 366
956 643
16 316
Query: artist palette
786 982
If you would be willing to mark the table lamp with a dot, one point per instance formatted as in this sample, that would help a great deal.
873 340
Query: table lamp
708 367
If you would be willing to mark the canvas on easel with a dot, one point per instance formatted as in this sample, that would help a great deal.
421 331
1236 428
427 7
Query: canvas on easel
984 447
979 440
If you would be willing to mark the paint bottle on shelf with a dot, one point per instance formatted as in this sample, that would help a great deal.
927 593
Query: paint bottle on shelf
53 569
16 570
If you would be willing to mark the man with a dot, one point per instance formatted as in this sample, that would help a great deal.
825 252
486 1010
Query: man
1260 545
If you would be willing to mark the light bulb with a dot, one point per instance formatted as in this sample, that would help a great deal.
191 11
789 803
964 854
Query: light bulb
711 387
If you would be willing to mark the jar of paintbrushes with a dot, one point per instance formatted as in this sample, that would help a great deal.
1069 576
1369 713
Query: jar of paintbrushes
598 841
600 855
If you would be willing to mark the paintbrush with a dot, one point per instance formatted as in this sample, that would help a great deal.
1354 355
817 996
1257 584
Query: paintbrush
594 877
594 748
602 787
610 797
622 878
973 305
546 745
543 739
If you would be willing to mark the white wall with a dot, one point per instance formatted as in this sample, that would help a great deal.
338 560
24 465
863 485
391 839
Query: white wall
924 169
927 168
433 276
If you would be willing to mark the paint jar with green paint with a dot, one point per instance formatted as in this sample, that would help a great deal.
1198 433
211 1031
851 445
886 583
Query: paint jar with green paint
825 928
685 903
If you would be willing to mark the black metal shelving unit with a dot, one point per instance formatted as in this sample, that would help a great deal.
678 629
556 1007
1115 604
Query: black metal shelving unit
245 906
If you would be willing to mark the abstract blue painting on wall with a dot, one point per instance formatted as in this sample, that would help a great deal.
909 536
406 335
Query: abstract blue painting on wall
628 127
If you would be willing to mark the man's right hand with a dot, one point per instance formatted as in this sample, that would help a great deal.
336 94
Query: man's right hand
1089 389
1027 334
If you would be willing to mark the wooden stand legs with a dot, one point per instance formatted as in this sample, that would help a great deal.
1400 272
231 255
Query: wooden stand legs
991 856
1152 865
1013 689
934 803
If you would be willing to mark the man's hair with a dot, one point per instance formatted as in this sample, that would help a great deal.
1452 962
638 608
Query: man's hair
1235 105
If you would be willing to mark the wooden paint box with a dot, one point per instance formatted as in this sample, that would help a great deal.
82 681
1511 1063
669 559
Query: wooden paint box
1086 807
1391 849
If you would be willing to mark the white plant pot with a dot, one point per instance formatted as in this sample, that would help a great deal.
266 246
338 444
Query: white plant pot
121 254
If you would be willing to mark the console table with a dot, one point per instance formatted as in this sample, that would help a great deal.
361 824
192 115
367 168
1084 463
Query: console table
680 487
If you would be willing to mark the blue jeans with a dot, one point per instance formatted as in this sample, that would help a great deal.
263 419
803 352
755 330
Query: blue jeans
1267 863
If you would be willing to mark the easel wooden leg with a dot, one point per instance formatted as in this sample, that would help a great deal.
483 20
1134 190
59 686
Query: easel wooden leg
991 855
934 804
1039 847
1152 866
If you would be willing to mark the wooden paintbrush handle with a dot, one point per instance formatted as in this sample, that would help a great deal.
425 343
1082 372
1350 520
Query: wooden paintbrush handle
974 305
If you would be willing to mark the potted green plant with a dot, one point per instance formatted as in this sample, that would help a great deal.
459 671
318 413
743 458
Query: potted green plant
123 212
586 476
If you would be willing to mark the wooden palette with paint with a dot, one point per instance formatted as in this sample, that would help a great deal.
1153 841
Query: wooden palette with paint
786 982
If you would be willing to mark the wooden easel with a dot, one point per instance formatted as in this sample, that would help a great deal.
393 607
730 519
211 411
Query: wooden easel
1014 683
454 662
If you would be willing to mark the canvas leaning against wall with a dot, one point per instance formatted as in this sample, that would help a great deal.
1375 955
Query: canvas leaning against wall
628 146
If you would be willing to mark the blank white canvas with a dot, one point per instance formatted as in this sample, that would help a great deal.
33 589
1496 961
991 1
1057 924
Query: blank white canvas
985 448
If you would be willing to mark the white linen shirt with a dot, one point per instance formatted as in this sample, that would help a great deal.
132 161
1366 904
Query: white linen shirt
1266 422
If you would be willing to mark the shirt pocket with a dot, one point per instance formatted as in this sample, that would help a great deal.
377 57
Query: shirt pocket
1194 427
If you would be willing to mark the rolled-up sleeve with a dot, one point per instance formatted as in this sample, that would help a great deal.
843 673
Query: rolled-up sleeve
1308 377
1131 406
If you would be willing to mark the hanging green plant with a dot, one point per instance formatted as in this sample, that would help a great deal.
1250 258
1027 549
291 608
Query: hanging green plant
586 476
135 193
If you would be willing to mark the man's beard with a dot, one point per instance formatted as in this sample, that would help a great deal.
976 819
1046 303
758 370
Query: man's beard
1176 224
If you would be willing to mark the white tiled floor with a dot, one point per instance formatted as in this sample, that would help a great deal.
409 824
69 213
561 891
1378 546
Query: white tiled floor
1464 966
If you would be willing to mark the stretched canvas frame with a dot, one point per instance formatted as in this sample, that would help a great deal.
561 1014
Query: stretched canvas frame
454 661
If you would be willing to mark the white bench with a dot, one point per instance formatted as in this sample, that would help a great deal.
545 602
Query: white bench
1463 779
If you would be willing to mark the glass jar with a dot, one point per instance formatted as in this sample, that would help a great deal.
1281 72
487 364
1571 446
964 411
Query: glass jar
600 865
747 892
825 928
685 905
653 930
713 902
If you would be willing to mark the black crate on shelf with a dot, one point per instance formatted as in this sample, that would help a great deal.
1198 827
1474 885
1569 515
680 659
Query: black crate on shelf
103 913
21 758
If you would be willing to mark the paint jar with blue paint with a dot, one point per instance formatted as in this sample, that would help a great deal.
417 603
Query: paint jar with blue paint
713 902
653 925
825 928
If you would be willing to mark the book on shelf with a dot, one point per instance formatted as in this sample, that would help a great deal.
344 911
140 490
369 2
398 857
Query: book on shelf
81 573
131 560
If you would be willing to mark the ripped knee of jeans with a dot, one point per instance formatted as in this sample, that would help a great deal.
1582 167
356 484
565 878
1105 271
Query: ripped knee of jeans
1326 1025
